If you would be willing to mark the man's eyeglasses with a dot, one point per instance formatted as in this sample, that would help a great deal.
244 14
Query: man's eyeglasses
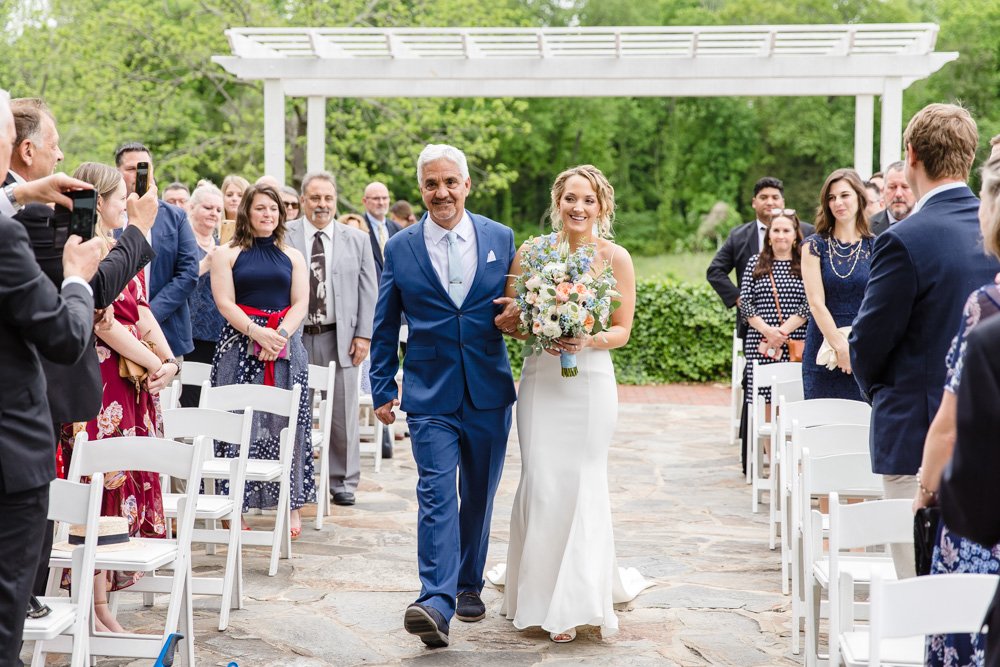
775 212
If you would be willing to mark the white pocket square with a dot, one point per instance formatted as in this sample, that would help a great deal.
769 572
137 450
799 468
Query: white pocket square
491 257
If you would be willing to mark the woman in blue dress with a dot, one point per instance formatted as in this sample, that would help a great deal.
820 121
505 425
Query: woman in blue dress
261 287
953 553
835 264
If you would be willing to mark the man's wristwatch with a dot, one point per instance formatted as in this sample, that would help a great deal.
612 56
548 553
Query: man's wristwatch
174 361
8 192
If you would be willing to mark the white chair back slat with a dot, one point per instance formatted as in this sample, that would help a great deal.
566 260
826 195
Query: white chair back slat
196 373
156 455
869 523
69 502
192 422
321 378
261 398
170 396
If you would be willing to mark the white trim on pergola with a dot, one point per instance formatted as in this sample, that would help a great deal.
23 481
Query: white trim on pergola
708 61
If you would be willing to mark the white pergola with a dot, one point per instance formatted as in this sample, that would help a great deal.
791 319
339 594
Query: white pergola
863 61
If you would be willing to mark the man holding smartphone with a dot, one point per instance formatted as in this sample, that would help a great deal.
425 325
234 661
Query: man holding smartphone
173 273
35 321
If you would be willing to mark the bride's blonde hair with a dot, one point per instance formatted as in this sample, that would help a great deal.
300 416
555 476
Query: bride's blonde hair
105 180
605 197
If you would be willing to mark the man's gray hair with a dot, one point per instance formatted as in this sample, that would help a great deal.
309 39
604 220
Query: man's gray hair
321 175
5 113
434 152
898 165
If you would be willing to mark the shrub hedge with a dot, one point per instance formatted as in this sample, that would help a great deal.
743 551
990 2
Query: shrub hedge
681 333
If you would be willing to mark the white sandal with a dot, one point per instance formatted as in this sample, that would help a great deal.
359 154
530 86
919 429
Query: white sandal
563 637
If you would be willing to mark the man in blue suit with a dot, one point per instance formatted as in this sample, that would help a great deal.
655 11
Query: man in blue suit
444 274
173 273
921 275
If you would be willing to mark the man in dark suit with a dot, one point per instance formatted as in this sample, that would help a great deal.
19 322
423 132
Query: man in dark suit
897 197
743 243
173 273
34 320
921 274
969 493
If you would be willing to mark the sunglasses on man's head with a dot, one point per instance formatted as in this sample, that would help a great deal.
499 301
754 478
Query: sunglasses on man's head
782 211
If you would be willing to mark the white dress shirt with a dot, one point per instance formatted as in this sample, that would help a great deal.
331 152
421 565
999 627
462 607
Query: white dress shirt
435 237
939 189
6 206
310 230
761 232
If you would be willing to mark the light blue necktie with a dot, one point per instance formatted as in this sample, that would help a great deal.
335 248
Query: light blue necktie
455 274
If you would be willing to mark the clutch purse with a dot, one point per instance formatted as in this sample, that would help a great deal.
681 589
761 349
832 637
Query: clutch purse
255 349
132 371
827 356
925 528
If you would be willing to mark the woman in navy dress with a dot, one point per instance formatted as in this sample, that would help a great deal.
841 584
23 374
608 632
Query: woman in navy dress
261 287
835 265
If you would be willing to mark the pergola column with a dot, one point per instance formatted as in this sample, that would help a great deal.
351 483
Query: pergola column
892 122
864 134
315 134
274 129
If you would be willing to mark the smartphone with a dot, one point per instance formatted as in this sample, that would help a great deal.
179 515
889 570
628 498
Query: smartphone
82 218
141 178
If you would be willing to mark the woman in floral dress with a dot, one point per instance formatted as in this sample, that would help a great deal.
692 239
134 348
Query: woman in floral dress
127 408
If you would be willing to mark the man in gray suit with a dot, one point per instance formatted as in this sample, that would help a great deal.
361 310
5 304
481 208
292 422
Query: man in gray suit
338 328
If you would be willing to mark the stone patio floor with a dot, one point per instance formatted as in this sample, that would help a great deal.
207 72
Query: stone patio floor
682 517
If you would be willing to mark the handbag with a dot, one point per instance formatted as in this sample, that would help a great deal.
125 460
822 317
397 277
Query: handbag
135 372
827 356
795 347
925 528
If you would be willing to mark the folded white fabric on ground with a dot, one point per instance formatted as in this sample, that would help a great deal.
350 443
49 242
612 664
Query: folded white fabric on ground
827 356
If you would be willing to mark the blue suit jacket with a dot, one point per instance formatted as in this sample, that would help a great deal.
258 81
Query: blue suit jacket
923 270
451 350
173 275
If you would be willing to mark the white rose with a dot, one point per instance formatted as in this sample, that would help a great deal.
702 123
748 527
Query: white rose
551 330
534 282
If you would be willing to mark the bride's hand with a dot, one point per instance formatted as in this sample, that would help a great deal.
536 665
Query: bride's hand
573 345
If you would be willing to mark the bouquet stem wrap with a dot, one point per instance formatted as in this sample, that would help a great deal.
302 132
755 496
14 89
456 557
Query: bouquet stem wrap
568 363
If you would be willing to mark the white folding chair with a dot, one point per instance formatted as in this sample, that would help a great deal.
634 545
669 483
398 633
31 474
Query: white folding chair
782 393
276 401
80 504
170 396
148 555
196 373
764 376
370 428
321 378
736 388
903 612
869 524
848 474
808 414
226 427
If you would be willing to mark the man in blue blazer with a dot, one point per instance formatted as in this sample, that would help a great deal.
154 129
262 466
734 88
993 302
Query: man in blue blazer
173 273
921 275
444 274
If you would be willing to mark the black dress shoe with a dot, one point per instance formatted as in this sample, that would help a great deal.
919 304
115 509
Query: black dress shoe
470 607
343 498
427 623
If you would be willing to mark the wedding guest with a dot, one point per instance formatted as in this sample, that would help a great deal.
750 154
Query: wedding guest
261 286
897 199
233 187
562 571
127 405
773 299
293 208
177 194
402 213
205 216
835 264
922 271
873 199
954 553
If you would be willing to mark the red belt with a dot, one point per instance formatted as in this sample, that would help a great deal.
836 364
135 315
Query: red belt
272 323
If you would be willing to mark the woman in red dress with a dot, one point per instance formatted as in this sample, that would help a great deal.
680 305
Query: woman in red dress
127 408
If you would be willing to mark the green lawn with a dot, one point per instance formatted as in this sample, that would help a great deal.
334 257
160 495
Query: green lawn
686 267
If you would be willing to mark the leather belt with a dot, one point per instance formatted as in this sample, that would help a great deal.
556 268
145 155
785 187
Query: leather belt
316 329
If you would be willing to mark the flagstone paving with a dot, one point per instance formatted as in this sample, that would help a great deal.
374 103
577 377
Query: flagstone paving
682 517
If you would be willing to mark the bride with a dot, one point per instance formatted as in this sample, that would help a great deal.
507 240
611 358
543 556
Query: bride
561 570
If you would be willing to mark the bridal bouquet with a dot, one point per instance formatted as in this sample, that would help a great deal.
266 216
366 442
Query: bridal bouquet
559 295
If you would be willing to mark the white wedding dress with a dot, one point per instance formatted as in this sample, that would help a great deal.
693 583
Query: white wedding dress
561 569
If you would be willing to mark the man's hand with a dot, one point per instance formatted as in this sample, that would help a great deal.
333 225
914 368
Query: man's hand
103 319
49 190
385 413
142 210
359 350
510 318
161 378
81 259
